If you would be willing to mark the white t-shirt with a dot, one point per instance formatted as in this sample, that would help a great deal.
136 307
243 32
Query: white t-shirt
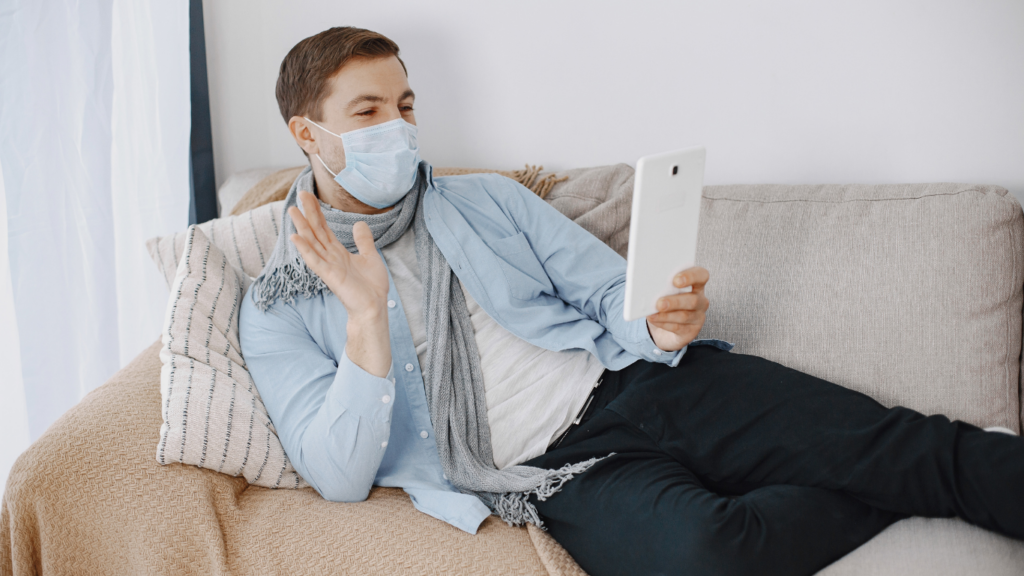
533 393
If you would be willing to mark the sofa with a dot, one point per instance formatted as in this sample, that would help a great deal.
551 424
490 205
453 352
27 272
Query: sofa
911 293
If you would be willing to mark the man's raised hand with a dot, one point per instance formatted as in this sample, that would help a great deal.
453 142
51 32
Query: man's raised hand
359 280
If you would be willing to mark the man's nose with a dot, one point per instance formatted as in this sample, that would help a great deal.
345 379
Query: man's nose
392 114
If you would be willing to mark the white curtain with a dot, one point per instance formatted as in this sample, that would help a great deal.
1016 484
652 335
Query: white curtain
94 147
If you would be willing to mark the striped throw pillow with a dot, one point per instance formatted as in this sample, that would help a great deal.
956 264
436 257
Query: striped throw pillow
212 413
247 240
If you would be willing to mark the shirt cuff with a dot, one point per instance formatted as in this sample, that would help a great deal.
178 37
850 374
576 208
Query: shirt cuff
645 347
464 511
356 390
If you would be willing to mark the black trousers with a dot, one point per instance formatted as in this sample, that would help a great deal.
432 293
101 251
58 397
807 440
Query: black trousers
733 464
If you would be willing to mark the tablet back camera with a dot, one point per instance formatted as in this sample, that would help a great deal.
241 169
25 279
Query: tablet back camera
675 169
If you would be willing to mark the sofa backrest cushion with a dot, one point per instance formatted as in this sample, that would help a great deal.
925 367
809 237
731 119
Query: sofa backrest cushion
910 293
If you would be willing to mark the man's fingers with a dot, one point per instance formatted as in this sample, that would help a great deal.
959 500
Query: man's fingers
678 317
685 301
669 326
324 227
303 229
316 220
695 276
364 239
313 260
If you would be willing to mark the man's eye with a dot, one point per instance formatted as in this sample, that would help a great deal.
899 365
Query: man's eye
407 108
365 113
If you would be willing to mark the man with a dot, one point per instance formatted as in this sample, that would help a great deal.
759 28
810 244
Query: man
460 338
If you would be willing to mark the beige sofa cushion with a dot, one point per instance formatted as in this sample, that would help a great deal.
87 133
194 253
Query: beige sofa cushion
933 547
909 293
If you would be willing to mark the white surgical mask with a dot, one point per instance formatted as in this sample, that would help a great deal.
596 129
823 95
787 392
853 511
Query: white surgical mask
380 162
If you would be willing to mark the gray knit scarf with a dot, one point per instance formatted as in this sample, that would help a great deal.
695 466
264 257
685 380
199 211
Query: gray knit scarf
452 378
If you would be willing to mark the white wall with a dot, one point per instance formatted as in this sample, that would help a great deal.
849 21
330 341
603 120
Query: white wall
786 91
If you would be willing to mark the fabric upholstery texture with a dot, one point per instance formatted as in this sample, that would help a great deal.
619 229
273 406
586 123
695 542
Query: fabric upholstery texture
89 498
236 186
271 188
247 240
933 547
911 293
213 416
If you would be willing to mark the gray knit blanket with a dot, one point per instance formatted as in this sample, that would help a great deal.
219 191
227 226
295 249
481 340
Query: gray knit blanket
452 377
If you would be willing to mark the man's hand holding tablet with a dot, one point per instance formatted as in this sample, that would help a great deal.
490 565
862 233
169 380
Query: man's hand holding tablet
680 316
662 282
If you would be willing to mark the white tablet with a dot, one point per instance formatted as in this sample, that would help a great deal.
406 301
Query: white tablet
662 227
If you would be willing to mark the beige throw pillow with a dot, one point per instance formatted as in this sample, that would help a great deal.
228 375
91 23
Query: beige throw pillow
212 413
247 240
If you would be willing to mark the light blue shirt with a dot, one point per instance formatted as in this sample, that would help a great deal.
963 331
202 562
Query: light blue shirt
536 272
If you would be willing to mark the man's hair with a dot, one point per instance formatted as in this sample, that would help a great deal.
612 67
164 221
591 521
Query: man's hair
302 81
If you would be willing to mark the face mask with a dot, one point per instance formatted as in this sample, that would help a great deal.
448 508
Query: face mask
380 162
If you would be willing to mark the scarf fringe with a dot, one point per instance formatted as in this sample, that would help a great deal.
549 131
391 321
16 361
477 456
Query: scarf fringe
285 282
514 507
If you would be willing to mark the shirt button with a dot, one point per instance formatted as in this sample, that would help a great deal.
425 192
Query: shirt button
386 399
391 303
384 444
445 476
657 352
408 367
392 380
423 434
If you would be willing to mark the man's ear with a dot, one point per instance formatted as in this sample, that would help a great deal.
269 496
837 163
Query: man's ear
304 135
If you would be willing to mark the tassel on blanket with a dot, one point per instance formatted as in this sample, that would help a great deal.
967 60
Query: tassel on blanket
528 177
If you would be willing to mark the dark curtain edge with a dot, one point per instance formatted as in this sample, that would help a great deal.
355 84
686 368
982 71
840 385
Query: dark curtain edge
202 181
